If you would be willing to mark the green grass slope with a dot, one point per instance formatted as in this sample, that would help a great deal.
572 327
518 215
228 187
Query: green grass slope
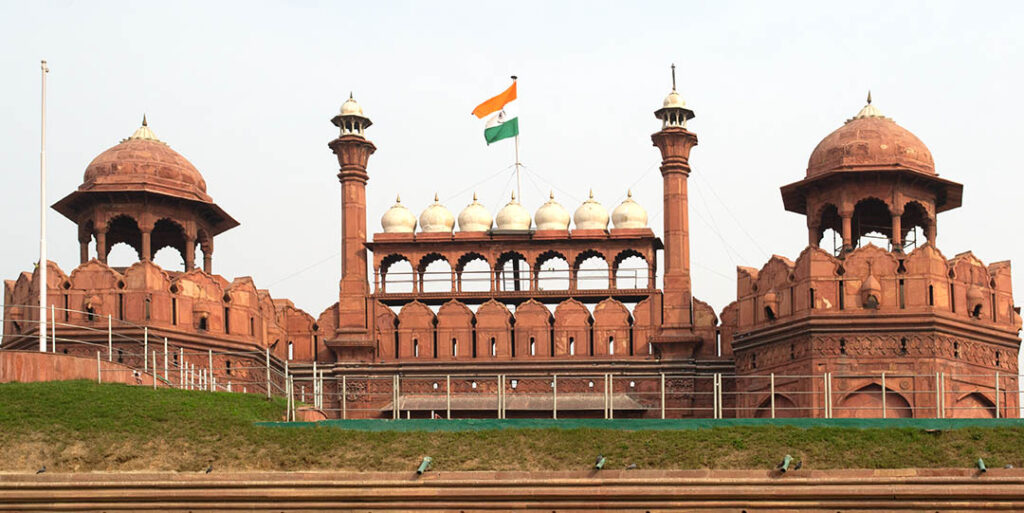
81 426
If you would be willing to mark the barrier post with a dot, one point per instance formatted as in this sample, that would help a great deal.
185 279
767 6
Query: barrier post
209 371
662 395
938 397
997 395
53 329
99 371
268 373
316 404
181 366
154 370
773 394
110 338
448 396
166 375
611 396
344 399
714 395
884 412
554 396
145 348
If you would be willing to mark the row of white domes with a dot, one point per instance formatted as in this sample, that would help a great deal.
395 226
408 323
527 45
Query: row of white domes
591 215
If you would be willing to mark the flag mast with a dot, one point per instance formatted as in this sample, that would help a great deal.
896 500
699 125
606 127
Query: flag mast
519 189
42 214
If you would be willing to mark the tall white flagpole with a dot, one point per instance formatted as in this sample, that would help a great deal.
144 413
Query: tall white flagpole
519 188
42 217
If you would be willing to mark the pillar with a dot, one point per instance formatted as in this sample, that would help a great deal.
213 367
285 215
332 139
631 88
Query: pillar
101 245
930 232
83 251
675 143
190 253
812 235
147 237
897 233
353 151
847 218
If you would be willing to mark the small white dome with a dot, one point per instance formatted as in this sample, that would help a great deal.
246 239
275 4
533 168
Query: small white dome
629 214
436 218
591 215
351 107
475 217
513 216
552 215
398 219
673 100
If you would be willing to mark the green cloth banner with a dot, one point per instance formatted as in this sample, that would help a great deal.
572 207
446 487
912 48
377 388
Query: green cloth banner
501 131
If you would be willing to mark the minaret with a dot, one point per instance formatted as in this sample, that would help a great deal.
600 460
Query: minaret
675 143
353 151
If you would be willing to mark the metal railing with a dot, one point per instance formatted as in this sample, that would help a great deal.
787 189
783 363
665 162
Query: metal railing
406 282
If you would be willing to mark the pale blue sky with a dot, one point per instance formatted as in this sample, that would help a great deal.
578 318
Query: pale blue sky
245 90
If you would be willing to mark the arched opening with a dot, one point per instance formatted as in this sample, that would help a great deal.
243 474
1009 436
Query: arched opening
830 230
591 271
974 406
785 408
396 275
123 229
866 403
169 258
632 271
168 234
473 273
291 350
513 272
912 223
872 222
435 274
552 271
831 241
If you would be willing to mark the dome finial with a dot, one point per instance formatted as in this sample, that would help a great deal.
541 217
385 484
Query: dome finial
398 198
591 193
144 120
513 195
629 193
673 76
436 199
350 95
869 96
474 195
551 194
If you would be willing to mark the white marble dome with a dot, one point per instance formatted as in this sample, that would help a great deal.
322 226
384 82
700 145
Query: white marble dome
591 215
673 100
552 215
351 107
398 219
513 216
475 217
629 214
436 218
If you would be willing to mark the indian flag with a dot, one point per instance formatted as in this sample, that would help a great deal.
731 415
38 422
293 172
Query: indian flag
505 123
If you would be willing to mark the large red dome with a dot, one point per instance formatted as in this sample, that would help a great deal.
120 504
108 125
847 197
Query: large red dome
142 162
870 141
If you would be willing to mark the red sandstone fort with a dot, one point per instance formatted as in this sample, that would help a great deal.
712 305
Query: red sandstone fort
445 313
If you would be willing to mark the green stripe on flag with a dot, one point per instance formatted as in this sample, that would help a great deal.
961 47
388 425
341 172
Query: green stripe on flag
505 130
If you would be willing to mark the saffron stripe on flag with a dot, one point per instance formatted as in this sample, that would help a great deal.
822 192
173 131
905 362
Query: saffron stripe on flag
495 104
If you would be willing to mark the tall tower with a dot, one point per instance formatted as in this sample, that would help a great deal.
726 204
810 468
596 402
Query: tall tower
675 143
353 151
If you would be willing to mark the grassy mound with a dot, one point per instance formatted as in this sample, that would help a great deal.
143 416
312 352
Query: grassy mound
81 426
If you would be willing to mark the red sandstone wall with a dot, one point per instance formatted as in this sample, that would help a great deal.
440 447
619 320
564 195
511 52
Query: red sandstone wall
29 367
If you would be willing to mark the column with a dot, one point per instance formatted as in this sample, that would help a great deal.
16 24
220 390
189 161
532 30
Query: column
930 232
101 245
190 253
147 237
83 251
897 233
812 235
847 230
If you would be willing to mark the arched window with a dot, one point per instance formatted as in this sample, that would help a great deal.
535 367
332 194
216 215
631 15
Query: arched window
396 275
552 272
533 347
291 350
415 348
572 346
611 345
455 348
494 347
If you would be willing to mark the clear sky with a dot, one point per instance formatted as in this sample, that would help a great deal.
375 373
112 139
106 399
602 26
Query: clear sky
245 90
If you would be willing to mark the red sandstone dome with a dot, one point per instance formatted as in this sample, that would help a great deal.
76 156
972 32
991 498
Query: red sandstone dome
870 141
143 162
